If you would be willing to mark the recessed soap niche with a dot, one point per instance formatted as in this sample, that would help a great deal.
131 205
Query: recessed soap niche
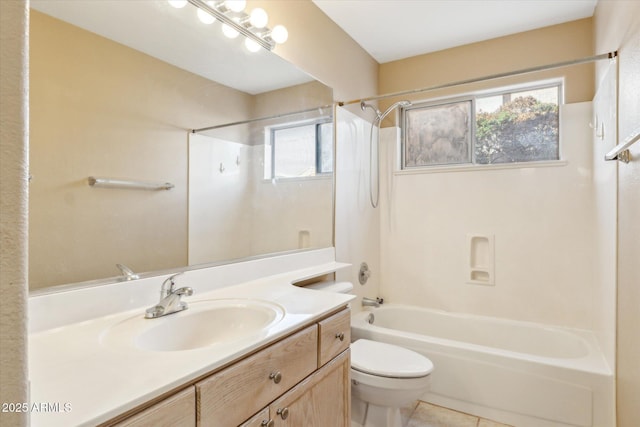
480 263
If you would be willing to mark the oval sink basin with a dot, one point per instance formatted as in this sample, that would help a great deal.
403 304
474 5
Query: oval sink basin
203 324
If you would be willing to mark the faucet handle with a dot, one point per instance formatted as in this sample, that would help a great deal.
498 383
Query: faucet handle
169 284
127 273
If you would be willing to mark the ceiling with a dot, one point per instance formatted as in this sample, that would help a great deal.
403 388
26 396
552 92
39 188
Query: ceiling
395 29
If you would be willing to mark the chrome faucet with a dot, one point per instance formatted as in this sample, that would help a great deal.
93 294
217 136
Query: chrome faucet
169 299
370 302
127 273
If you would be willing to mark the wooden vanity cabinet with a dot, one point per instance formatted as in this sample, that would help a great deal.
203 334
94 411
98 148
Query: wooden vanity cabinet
317 359
301 380
322 399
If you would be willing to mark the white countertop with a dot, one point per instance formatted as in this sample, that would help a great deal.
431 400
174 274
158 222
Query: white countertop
93 381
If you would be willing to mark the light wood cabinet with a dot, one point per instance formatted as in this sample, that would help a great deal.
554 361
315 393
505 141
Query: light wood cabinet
178 410
301 380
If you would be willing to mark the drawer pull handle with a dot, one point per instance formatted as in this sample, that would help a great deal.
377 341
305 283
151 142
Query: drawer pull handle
284 413
340 336
275 376
268 423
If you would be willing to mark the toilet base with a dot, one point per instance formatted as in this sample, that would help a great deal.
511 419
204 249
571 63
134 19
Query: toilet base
365 414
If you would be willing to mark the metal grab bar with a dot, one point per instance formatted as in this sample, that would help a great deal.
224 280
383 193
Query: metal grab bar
621 151
122 183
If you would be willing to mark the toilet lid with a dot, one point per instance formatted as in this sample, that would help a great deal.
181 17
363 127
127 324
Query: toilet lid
386 360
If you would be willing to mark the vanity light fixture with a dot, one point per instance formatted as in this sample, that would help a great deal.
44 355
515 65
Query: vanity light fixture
205 17
236 21
229 31
178 4
251 45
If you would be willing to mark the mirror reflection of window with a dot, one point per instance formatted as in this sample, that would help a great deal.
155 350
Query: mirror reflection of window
299 150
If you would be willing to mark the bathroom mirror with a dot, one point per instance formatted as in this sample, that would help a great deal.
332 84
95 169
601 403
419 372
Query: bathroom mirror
115 90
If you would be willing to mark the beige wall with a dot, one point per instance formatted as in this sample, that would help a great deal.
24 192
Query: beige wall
617 27
548 45
13 206
291 99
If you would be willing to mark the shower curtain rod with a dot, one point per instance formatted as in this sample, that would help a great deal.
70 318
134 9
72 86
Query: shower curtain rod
609 55
275 116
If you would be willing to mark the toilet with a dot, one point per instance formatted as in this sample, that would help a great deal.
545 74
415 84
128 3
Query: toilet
386 380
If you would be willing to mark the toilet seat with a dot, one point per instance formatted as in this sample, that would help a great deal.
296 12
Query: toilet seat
385 360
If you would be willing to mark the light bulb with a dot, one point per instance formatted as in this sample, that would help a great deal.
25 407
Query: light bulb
205 17
279 34
258 18
229 31
251 45
236 5
178 4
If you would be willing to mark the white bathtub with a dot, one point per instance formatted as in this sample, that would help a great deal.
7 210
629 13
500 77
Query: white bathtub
519 373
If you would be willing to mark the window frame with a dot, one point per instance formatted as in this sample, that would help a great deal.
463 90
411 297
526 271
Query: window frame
270 132
473 96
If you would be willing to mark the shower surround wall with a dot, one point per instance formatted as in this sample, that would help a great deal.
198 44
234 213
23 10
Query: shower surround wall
541 217
357 224
235 213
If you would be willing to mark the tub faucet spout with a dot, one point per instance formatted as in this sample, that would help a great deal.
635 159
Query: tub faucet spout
370 302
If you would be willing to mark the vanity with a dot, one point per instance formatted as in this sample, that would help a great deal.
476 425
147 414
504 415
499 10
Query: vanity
284 363
300 380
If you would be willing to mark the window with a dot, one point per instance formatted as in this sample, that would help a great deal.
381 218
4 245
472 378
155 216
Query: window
503 127
299 150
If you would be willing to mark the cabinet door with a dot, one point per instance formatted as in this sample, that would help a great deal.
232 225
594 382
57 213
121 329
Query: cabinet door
178 410
321 400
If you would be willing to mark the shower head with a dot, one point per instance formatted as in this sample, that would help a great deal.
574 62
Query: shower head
380 116
364 106
393 107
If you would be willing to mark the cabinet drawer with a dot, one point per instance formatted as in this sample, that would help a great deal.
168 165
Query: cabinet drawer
178 410
225 398
335 335
261 419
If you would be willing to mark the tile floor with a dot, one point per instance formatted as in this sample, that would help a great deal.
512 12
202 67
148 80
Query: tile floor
428 415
